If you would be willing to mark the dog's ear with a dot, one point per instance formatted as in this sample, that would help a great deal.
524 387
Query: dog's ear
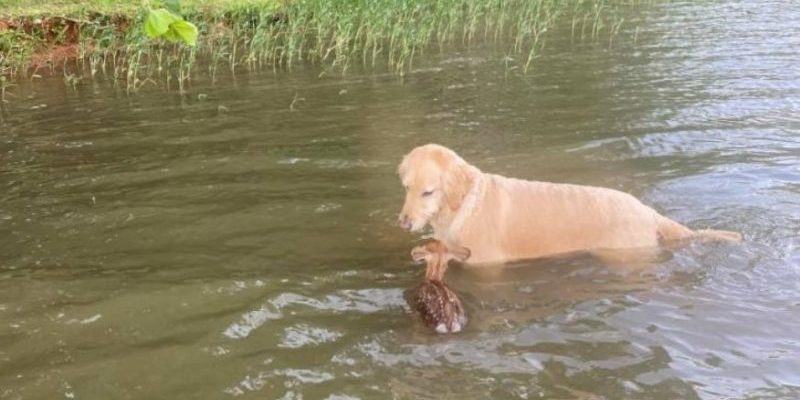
459 253
457 181
402 168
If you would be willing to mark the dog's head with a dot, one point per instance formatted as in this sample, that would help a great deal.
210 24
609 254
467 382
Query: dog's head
436 255
434 177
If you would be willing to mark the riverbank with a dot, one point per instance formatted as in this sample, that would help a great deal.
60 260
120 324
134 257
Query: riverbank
83 39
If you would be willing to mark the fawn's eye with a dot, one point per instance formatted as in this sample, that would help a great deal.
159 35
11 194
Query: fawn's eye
427 193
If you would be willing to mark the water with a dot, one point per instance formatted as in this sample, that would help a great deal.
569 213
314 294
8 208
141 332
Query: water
157 246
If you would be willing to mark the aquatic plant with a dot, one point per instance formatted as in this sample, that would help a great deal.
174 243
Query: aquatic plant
123 41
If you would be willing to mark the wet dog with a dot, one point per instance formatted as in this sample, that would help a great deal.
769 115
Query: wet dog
504 219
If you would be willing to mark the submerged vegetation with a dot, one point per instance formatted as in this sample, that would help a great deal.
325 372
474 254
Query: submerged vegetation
81 39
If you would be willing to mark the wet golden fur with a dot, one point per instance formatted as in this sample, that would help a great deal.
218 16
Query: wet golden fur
514 219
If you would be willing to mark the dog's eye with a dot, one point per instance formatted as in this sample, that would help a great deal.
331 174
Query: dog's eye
427 193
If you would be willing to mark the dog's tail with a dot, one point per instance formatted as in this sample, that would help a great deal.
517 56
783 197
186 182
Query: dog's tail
671 231
714 234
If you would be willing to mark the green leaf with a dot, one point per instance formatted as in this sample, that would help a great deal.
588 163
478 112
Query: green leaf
158 22
174 6
171 36
185 30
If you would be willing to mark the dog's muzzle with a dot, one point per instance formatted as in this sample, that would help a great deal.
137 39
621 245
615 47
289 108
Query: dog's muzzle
405 222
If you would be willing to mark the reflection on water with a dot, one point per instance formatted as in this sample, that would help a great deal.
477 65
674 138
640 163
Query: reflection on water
225 245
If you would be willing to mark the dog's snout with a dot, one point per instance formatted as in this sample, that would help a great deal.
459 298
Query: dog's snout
404 221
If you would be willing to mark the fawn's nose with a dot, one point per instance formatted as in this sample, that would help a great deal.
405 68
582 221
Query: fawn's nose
404 222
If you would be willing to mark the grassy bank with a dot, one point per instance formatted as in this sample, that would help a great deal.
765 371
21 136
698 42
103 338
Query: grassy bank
84 38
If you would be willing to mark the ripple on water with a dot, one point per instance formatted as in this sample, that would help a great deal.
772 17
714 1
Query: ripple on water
251 249
357 300
303 335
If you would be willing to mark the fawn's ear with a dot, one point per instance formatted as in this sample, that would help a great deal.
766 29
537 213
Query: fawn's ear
419 253
459 253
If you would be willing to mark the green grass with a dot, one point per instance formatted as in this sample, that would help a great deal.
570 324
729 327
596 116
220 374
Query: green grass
280 33
74 8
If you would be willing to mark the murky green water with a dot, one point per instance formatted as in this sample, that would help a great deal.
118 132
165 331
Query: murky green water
164 247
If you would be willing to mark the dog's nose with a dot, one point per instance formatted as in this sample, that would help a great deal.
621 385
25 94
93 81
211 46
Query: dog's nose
404 222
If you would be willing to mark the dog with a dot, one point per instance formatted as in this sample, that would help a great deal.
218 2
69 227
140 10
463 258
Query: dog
504 219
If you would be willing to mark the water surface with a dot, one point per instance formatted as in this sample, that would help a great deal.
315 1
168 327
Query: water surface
240 241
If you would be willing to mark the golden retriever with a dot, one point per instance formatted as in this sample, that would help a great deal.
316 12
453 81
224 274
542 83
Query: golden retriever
502 219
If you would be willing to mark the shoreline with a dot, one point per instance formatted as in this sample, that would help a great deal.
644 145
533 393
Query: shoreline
82 40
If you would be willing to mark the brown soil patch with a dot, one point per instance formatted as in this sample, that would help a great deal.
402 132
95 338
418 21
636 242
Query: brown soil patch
56 39
54 55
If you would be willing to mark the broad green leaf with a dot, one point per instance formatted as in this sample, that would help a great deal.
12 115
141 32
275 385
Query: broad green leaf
171 35
157 22
186 31
174 6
